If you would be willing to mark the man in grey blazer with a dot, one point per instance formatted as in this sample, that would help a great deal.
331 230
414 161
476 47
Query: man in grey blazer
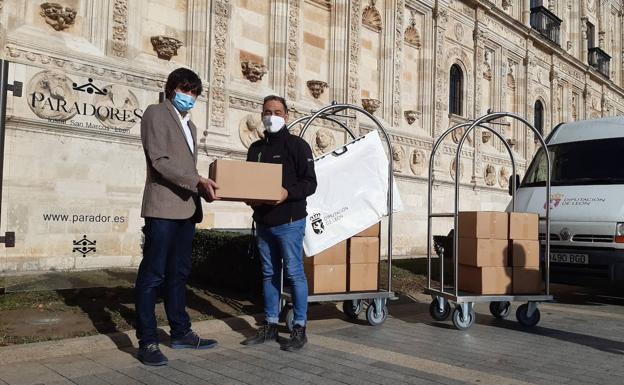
171 208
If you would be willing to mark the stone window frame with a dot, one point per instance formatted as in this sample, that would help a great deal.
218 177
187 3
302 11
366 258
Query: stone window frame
458 106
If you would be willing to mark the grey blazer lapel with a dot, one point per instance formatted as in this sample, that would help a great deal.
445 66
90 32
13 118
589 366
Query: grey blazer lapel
174 115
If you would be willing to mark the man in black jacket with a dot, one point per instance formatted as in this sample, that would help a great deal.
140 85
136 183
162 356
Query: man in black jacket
280 227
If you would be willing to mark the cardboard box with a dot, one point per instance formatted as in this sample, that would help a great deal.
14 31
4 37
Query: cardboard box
364 250
483 252
363 276
527 280
523 226
524 253
372 231
483 224
247 181
326 278
485 280
335 255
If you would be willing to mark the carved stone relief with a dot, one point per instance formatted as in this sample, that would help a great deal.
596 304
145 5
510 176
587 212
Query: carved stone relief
398 158
58 16
397 62
511 78
324 141
253 71
503 177
574 106
490 175
371 105
458 133
459 31
418 162
219 62
293 48
166 47
56 89
354 52
412 36
120 28
250 129
452 170
411 116
371 17
316 87
121 98
487 65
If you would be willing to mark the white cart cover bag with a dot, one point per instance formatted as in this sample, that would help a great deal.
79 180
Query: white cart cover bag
351 195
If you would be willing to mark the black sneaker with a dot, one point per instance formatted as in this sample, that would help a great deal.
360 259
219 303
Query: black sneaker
297 339
266 332
192 341
151 355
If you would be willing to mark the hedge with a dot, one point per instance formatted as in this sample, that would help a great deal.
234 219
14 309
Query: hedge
222 260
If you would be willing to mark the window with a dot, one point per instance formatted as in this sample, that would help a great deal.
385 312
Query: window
591 35
538 118
456 90
589 162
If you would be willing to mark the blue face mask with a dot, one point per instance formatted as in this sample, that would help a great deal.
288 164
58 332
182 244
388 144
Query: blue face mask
183 102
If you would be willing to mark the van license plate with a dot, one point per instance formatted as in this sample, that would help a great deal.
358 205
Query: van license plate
580 259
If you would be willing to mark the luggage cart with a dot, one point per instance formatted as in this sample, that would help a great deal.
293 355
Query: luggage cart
353 303
463 316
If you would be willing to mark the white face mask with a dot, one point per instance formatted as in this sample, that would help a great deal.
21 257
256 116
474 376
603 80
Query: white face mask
273 123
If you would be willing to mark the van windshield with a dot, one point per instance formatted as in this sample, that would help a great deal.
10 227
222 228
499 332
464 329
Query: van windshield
579 163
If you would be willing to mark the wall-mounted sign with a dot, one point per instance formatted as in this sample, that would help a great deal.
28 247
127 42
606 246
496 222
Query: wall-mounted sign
54 96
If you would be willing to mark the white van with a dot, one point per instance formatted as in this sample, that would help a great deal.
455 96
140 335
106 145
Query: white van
587 200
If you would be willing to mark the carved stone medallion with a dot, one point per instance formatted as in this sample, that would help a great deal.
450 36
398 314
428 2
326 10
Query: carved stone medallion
503 177
324 141
418 162
398 156
119 104
51 96
490 175
452 169
250 129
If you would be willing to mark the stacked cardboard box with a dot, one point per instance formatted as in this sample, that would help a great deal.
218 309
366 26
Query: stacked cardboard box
483 248
525 247
363 267
499 253
351 265
326 272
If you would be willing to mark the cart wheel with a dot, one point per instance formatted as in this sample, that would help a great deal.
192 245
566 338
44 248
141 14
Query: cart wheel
521 316
372 318
500 310
352 308
290 317
436 314
463 324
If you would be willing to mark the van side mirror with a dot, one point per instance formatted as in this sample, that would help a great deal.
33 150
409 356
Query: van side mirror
510 185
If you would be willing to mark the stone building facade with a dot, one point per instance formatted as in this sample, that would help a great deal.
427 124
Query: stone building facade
74 168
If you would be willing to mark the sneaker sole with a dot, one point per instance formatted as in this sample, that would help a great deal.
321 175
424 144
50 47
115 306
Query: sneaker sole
203 347
162 363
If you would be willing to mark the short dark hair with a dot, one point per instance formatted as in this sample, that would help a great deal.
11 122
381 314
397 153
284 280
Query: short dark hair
184 79
276 98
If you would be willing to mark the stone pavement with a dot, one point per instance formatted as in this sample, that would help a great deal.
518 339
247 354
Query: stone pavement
578 341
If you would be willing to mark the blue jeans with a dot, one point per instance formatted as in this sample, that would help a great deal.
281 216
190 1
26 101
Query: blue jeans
167 263
277 244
